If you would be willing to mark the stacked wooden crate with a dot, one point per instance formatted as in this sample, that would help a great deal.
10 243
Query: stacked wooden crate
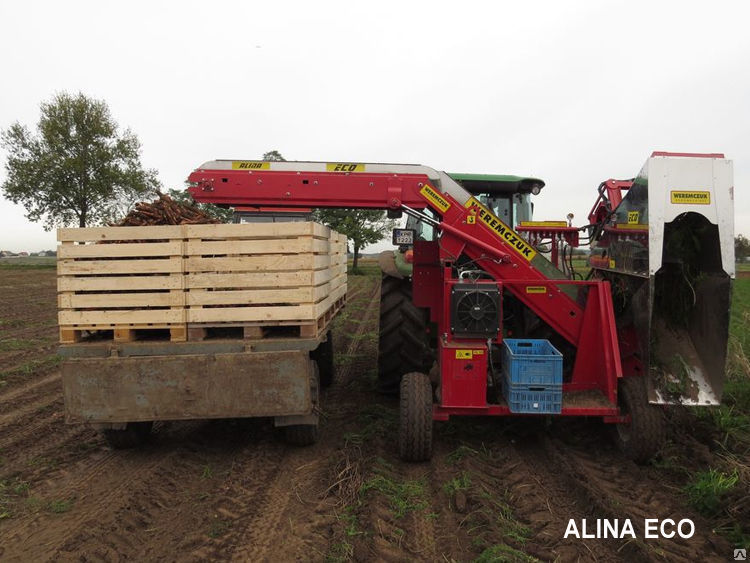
262 275
198 277
120 279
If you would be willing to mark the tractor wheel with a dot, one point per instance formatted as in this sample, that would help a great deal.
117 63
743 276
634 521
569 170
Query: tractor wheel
403 345
134 434
323 356
306 434
415 418
642 437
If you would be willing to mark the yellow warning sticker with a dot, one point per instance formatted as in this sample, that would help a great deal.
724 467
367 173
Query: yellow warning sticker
690 197
468 354
344 167
536 289
250 165
435 198
544 224
633 217
502 230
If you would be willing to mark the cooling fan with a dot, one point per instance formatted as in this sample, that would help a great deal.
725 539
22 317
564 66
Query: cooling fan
475 310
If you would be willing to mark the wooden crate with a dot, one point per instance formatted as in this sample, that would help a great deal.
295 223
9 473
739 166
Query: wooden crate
121 279
264 275
129 279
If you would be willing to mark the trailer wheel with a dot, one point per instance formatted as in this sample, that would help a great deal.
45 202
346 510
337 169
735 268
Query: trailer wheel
306 434
403 345
134 434
323 356
415 418
644 435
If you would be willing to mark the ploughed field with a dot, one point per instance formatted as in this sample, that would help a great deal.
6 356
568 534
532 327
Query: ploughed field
496 489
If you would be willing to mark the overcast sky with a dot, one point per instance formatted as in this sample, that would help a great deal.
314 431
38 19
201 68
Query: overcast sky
572 92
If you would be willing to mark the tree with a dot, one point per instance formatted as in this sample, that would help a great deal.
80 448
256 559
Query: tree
741 248
361 226
77 167
273 156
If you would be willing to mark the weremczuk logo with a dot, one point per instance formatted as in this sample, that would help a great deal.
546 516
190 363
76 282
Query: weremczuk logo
740 554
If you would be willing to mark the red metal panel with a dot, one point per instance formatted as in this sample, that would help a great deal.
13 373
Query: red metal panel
597 364
463 369
427 278
307 189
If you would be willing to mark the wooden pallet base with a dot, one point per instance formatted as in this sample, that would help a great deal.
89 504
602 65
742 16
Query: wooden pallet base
123 333
198 332
270 329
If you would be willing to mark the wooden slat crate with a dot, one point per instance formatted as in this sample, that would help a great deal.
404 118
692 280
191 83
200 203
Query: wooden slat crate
264 274
129 279
121 279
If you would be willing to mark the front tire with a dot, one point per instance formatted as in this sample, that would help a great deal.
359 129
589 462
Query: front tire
642 437
403 344
415 418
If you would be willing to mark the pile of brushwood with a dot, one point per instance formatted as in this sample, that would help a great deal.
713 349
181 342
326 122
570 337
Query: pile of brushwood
165 211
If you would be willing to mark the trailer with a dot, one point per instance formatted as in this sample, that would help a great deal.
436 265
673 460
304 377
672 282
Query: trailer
122 388
182 322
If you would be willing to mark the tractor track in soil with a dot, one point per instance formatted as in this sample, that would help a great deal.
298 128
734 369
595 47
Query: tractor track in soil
232 490
618 488
289 484
143 502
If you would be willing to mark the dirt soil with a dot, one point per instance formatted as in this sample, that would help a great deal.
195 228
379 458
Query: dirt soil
498 488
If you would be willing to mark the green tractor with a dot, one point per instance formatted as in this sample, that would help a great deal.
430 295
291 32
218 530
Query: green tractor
405 338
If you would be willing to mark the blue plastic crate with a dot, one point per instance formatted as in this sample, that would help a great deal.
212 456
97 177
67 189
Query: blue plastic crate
532 399
531 362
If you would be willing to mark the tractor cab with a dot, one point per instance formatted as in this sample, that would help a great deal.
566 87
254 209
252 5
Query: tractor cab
508 197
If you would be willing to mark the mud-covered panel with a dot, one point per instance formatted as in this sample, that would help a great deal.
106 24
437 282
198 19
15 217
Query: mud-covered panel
186 387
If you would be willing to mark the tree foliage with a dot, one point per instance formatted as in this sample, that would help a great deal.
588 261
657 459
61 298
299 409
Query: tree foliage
77 167
741 248
361 226
273 156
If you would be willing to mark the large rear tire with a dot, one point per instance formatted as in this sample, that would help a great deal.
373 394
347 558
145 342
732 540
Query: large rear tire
642 437
415 418
403 344
134 434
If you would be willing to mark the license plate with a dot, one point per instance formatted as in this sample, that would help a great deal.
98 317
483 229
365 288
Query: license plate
403 237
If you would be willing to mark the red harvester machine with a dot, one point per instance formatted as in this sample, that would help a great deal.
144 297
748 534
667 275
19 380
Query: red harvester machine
481 322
